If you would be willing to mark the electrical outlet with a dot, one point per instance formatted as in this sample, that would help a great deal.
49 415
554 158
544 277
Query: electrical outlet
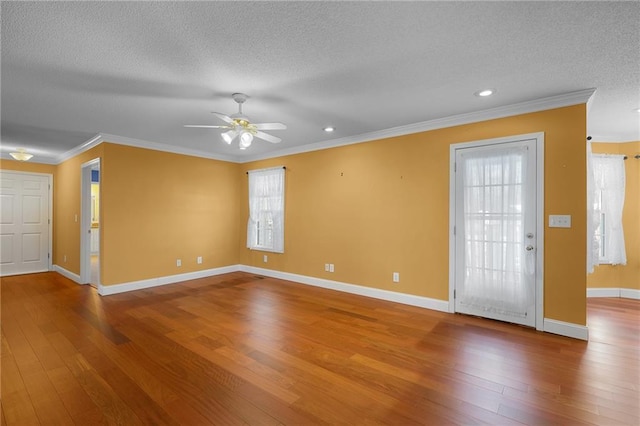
265 258
326 267
199 260
64 258
178 262
331 268
396 277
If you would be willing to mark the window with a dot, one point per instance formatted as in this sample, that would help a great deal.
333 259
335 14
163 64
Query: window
265 228
608 202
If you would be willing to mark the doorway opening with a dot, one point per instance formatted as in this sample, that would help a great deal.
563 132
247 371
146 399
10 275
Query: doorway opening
90 224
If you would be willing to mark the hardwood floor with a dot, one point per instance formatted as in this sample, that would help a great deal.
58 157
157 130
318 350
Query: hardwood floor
241 349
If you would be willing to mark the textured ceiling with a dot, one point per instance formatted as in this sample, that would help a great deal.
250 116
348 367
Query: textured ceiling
140 70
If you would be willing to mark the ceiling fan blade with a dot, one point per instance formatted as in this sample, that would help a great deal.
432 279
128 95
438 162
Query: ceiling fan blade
267 137
223 117
207 127
270 126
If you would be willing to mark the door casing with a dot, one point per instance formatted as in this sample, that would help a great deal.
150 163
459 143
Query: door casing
85 220
539 281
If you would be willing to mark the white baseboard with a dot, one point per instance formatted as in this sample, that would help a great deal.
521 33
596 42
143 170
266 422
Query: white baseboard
630 293
106 290
567 329
73 277
391 296
626 293
575 331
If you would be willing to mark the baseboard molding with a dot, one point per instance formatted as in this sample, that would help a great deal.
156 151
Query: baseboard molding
391 296
106 290
575 331
626 293
630 293
68 274
566 329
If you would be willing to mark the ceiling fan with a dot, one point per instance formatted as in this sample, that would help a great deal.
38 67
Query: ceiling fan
239 125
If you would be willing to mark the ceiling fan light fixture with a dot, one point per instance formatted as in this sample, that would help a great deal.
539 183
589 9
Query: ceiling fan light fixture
21 155
229 136
245 140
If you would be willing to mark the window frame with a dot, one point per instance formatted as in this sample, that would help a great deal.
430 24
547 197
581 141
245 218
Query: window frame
268 209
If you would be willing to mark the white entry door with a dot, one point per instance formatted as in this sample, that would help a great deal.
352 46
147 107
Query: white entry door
24 223
496 231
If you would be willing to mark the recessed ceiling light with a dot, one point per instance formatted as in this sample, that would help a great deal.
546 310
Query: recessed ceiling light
485 92
329 129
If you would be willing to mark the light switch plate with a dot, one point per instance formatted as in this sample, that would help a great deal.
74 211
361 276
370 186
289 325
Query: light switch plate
559 221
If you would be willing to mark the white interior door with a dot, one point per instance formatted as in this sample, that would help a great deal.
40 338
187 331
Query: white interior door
496 231
24 223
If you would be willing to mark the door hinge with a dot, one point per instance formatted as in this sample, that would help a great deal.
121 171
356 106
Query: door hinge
455 167
49 187
454 293
454 230
49 221
48 255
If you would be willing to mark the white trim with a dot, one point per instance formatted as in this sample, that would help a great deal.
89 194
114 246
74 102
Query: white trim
603 292
542 104
625 293
539 138
567 329
106 290
68 274
551 326
630 293
390 296
85 218
139 143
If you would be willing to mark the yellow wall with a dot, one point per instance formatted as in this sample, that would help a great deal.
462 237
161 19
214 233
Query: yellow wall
627 276
157 207
26 166
369 208
66 208
383 206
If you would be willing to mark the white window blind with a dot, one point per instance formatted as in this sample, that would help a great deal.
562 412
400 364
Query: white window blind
265 227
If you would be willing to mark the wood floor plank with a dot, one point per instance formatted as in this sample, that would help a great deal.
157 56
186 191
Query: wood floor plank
241 349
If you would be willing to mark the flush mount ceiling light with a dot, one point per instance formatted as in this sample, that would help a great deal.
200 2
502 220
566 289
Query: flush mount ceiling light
329 129
21 155
239 125
485 92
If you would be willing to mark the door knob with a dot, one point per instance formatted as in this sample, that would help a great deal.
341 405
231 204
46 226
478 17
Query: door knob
529 248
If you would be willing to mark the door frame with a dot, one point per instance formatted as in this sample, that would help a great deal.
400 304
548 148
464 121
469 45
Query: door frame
539 281
49 177
85 220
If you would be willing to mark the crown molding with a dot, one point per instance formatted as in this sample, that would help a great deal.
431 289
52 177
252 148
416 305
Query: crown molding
551 102
139 143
